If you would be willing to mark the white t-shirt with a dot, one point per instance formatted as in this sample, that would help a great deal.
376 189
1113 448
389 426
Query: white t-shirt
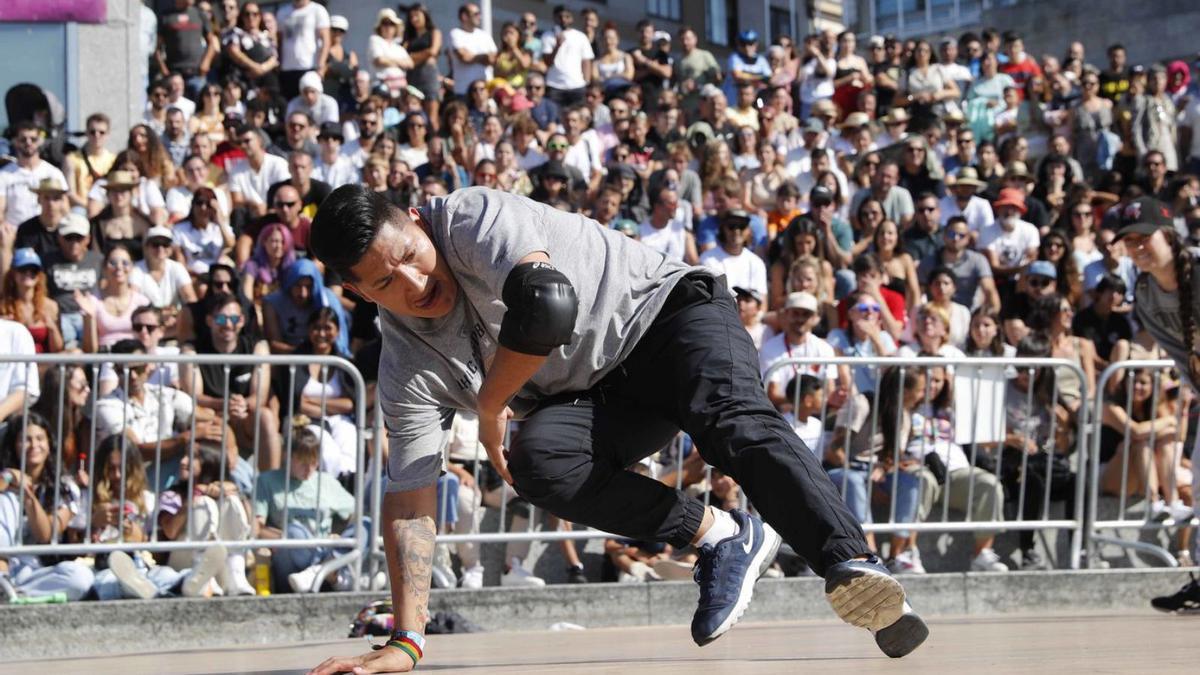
567 71
326 109
161 292
341 172
816 87
15 339
585 155
744 269
162 411
299 27
978 212
393 51
201 248
17 183
778 349
146 197
671 239
1010 247
179 203
477 42
253 185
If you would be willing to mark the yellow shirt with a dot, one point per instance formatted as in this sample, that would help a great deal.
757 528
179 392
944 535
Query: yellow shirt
79 178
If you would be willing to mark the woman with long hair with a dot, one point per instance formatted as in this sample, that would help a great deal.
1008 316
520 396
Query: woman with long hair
154 161
108 315
252 49
512 59
1082 220
24 299
415 133
612 65
76 402
927 88
147 196
1091 117
29 474
983 336
805 275
209 118
897 263
867 219
764 182
942 286
342 62
423 41
510 177
273 254
716 164
458 133
1051 315
120 222
1055 248
801 239
745 154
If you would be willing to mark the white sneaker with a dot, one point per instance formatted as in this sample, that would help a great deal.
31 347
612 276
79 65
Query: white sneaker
196 584
134 582
1184 558
988 561
518 576
302 581
918 566
642 572
472 577
442 571
233 577
1180 512
1158 509
906 562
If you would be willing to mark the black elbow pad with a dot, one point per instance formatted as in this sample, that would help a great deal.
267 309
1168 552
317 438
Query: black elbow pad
542 307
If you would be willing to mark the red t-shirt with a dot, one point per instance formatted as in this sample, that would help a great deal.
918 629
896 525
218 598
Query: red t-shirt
1021 73
894 300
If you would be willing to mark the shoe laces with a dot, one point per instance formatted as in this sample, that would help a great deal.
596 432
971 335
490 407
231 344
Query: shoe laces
705 571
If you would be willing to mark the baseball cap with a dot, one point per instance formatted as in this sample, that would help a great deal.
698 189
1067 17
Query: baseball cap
1042 268
735 218
813 126
662 36
1143 216
331 130
820 196
339 22
801 300
748 36
158 232
875 41
74 223
26 257
751 293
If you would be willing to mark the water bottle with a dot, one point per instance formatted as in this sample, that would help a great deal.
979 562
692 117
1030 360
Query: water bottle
262 571
52 599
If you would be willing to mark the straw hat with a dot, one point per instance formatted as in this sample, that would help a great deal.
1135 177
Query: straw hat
49 186
968 177
121 180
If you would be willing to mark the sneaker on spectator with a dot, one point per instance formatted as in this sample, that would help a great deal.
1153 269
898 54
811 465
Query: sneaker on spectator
197 585
443 570
8 592
726 572
518 576
673 570
906 562
988 561
134 582
1180 512
918 566
302 581
1032 560
576 575
1183 557
640 571
1158 509
1185 601
863 594
472 577
773 572
233 577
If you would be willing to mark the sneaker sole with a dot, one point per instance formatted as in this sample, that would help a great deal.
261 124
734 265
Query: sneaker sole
132 581
903 636
763 559
868 599
210 564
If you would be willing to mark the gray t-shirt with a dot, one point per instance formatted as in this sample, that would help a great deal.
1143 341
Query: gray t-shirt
1158 311
968 270
431 367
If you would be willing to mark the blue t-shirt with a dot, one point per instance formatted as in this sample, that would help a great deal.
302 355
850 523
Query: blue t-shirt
736 61
864 376
706 231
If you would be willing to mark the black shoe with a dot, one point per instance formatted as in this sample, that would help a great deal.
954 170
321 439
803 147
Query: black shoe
1184 601
575 575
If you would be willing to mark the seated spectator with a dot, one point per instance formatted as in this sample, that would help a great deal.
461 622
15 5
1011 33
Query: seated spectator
313 100
800 241
311 191
898 266
1010 243
147 196
25 300
119 472
1106 321
806 277
984 338
163 281
195 180
510 177
310 498
863 336
19 382
846 454
120 222
148 329
107 315
1052 315
964 200
942 284
806 396
40 232
31 483
323 394
786 208
972 272
73 270
1055 248
247 388
248 184
740 266
74 404
331 166
274 254
924 445
286 311
203 238
221 280
869 277
800 314
750 309
931 335
197 505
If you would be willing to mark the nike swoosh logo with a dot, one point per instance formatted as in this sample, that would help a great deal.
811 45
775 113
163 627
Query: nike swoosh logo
749 542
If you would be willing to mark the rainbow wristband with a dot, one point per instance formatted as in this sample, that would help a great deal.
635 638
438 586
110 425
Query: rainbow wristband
409 642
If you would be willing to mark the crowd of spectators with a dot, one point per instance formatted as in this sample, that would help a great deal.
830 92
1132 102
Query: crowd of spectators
955 197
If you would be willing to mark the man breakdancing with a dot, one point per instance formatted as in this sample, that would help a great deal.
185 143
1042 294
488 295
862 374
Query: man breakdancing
498 304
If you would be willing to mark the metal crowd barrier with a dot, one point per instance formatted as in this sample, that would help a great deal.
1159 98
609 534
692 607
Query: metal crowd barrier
987 377
351 547
1145 519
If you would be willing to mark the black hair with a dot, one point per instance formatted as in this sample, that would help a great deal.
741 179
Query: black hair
127 346
954 220
943 271
807 385
344 227
867 262
147 309
1036 346
13 447
1111 282
1043 311
219 300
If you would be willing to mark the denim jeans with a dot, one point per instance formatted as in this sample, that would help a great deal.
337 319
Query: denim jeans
857 492
285 561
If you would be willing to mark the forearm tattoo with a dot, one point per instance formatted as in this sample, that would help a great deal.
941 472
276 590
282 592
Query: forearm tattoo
415 540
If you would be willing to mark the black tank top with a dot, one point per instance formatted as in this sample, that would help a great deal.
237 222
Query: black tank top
213 375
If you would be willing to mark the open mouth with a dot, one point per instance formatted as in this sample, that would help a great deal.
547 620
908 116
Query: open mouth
430 296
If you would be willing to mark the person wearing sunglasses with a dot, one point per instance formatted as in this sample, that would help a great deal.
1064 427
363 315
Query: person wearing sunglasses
249 184
147 322
162 278
970 268
92 161
108 315
658 343
863 336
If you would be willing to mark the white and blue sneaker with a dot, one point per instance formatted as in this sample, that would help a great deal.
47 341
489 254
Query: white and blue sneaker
726 573
864 594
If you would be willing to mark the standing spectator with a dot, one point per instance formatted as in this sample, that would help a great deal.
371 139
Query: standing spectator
201 238
472 50
331 166
1114 82
423 40
852 77
24 299
1090 119
652 62
819 68
251 47
186 44
342 62
73 268
175 137
568 57
887 70
303 40
613 67
249 183
1021 67
1154 125
20 180
91 162
695 68
320 106
739 264
387 59
746 65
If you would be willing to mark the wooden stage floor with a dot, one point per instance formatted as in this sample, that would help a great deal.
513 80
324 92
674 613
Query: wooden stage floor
1092 643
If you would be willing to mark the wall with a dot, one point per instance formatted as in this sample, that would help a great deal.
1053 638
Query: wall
110 69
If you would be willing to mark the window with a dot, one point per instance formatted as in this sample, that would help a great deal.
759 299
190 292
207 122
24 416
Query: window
781 24
666 9
720 21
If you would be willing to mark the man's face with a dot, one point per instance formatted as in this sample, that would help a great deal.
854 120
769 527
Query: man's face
287 204
195 171
949 52
28 143
1116 59
174 125
251 144
54 206
556 148
310 96
668 202
404 273
97 133
297 130
301 292
368 123
472 16
73 246
147 329
746 96
565 19
956 237
300 165
797 322
574 123
608 204
1156 167
887 177
928 214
